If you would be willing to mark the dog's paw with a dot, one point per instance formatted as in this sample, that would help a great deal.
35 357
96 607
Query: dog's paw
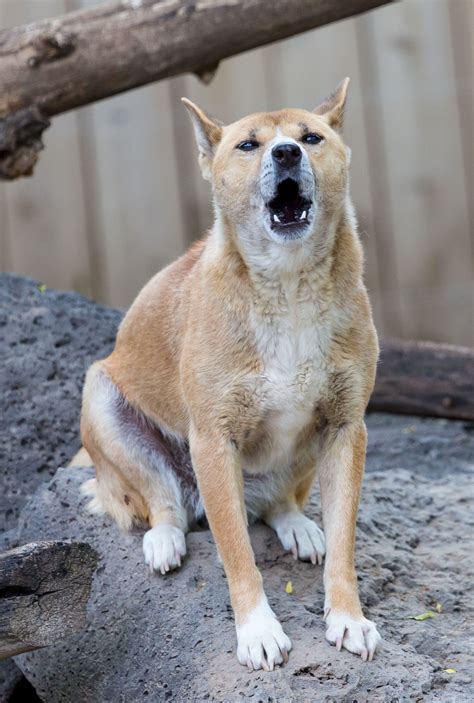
357 635
301 536
163 547
261 642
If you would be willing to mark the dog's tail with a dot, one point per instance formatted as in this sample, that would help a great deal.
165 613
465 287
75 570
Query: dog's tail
82 458
101 501
111 494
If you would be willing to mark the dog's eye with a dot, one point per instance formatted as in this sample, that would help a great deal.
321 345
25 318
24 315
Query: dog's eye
311 139
248 145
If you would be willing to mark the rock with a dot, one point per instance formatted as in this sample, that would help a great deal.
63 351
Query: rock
10 678
172 638
49 339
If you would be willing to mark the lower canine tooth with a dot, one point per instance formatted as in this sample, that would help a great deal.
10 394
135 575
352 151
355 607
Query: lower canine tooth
303 215
276 218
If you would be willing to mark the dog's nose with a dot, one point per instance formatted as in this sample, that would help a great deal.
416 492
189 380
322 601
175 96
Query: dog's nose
286 155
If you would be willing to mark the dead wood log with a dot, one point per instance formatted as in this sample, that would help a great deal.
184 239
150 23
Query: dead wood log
424 378
44 589
52 66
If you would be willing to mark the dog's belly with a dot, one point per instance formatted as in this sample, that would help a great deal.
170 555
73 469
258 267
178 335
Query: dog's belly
287 445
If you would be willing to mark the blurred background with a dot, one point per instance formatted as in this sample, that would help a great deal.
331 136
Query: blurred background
117 193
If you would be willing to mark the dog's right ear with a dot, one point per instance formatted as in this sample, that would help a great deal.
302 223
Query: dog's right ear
208 133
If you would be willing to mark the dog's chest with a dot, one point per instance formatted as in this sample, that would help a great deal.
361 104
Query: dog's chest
294 348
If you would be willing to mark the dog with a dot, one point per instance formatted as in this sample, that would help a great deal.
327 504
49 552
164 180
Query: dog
243 370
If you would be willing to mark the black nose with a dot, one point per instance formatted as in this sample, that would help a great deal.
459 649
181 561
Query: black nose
286 155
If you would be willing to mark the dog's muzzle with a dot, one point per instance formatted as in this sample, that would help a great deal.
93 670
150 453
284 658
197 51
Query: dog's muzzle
287 186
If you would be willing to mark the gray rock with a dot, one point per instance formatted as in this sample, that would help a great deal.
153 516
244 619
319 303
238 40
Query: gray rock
49 339
10 678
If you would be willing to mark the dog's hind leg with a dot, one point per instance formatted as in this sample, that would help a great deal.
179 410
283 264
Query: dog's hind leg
143 476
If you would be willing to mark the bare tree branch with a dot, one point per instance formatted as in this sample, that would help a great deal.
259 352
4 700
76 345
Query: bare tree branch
423 378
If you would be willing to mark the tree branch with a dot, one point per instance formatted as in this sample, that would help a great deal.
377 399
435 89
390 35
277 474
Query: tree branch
423 378
49 67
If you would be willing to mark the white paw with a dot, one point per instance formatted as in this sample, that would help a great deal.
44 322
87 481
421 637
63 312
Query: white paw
163 547
301 536
261 642
357 635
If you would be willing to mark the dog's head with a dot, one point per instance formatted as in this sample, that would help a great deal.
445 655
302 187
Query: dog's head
281 175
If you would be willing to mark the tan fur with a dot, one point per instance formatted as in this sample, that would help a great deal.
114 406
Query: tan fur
191 355
81 458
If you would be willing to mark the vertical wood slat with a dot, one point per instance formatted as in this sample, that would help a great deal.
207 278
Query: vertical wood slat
380 195
428 209
46 226
461 15
136 207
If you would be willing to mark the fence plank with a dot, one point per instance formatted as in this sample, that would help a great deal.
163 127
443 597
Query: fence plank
461 15
136 206
411 46
47 232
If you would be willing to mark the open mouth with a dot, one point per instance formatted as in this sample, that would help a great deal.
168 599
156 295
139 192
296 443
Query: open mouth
289 211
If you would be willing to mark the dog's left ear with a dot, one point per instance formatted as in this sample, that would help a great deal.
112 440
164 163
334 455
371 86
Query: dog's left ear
332 109
208 133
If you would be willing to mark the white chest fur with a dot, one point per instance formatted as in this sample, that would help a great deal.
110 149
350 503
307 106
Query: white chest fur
293 337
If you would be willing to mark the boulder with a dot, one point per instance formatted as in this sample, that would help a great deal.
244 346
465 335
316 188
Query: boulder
49 338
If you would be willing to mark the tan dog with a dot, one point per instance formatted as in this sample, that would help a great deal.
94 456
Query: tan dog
244 368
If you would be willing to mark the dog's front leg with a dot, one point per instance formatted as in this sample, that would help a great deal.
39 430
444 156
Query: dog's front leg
261 642
340 476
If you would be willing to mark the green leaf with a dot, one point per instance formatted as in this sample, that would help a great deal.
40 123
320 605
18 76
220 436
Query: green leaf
423 616
42 287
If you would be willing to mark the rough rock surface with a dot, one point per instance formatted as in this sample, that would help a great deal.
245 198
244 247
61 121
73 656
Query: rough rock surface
49 339
172 638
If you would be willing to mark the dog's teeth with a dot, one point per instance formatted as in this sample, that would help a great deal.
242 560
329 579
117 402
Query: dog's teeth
276 218
303 215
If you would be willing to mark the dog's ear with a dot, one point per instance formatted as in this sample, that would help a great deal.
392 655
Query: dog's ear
332 109
208 132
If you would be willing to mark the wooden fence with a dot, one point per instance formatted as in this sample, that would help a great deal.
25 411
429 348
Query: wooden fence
117 193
